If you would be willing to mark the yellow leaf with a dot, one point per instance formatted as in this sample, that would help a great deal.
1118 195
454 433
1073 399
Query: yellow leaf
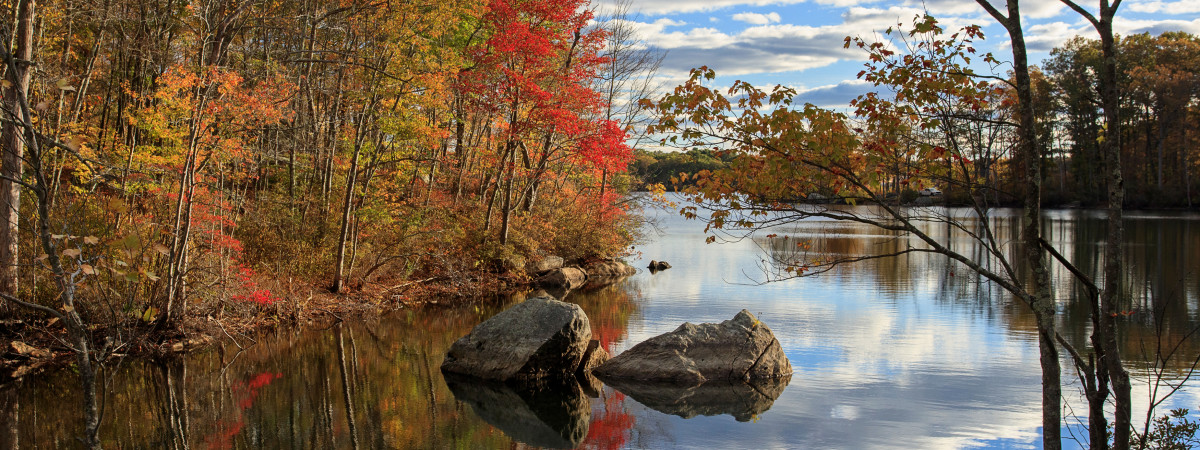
91 240
64 85
150 314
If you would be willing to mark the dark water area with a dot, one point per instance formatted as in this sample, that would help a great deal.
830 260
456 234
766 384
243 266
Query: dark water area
909 352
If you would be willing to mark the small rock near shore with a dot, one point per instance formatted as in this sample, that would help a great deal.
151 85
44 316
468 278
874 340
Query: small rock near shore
565 277
545 265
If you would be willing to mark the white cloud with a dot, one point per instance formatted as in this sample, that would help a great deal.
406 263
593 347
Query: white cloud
1046 36
757 19
1172 8
1154 27
835 95
757 49
844 3
692 6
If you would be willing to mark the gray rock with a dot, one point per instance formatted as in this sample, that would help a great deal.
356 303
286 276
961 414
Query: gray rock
538 338
744 400
546 264
741 348
566 277
555 414
609 269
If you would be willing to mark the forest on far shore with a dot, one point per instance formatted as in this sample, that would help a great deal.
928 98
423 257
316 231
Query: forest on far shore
1160 116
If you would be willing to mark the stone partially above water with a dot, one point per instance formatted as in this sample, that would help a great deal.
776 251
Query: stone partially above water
537 338
564 277
656 266
741 348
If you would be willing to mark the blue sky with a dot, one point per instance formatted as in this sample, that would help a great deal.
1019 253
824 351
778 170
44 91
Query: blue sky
798 43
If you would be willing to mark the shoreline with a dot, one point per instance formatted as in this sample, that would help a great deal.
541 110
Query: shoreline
33 347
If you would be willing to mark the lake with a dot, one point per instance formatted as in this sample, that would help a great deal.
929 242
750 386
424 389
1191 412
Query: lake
909 352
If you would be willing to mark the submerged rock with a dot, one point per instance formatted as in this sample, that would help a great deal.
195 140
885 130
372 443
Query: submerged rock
553 414
744 400
537 338
609 269
741 348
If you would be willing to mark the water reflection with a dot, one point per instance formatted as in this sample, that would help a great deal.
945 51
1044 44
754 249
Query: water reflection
553 414
905 352
745 401
361 385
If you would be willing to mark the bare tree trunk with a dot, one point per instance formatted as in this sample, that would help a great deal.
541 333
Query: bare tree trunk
347 206
1110 148
1041 299
1115 239
11 165
507 208
487 221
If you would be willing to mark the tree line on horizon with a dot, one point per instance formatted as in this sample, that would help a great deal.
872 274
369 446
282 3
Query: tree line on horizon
1159 78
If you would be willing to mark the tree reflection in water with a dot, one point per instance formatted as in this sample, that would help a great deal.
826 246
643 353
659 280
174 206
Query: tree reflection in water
913 327
367 385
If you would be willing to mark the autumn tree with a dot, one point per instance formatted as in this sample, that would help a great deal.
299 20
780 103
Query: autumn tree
626 76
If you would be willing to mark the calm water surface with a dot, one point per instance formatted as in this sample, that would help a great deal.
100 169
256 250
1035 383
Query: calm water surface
912 352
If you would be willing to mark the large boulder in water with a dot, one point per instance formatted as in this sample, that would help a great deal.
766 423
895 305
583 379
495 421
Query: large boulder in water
741 348
565 277
537 338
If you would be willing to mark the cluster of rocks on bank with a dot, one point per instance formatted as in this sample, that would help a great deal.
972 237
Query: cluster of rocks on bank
550 272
